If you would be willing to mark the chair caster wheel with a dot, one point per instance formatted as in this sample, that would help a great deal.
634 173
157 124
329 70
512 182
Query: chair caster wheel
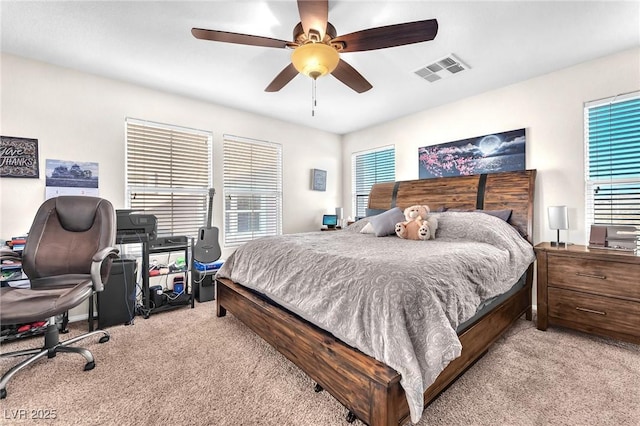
3 393
89 366
104 339
318 388
351 417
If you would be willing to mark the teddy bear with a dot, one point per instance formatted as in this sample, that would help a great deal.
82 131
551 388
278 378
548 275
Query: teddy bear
418 225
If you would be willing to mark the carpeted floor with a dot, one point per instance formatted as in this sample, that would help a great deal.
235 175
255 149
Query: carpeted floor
187 367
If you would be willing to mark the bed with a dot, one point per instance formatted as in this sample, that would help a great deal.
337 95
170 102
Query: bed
371 389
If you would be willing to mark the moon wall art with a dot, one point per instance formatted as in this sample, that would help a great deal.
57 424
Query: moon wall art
497 152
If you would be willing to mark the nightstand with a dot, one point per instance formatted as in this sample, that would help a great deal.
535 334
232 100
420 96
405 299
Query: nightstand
591 290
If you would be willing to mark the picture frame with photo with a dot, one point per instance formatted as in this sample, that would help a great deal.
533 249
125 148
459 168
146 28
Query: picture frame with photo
318 180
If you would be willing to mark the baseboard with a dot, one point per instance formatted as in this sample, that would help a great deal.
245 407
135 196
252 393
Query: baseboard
81 317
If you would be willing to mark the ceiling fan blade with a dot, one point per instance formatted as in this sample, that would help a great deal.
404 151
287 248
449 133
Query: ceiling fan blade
227 37
314 14
388 36
281 80
352 78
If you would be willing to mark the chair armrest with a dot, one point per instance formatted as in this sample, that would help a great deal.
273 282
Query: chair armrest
96 266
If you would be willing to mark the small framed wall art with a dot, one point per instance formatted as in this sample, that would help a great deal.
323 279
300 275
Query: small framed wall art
19 157
318 180
71 178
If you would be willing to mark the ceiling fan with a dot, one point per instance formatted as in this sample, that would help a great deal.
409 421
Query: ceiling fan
317 48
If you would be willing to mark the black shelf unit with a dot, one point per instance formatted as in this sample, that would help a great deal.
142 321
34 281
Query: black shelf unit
159 246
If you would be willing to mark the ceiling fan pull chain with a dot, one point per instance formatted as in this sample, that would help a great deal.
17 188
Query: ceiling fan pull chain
313 97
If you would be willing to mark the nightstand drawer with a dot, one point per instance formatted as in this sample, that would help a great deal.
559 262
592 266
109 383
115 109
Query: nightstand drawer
606 278
595 311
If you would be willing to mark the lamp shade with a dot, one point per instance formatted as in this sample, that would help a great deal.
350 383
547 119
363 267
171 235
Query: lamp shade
558 217
315 59
339 212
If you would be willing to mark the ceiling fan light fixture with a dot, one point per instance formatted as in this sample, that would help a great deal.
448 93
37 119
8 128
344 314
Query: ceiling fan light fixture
315 59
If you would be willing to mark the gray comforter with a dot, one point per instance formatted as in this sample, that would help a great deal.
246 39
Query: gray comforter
399 301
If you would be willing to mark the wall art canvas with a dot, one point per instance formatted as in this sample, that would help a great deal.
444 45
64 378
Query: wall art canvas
498 152
19 157
71 178
318 180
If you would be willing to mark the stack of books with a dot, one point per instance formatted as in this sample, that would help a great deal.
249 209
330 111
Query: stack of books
11 266
17 243
10 270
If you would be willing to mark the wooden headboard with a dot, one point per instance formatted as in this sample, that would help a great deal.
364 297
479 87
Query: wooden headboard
495 191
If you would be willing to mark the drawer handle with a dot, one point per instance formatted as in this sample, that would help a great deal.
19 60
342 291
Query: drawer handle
591 311
599 277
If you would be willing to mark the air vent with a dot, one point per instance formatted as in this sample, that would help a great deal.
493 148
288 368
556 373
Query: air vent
441 68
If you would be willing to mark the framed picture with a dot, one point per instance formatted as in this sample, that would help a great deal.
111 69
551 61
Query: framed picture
71 178
318 180
19 157
498 152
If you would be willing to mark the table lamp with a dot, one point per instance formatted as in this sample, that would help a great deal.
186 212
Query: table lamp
558 219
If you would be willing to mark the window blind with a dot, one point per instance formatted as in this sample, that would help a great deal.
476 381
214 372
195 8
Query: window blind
168 174
252 190
368 168
612 134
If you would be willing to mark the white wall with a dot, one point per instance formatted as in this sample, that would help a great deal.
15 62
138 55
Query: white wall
550 107
77 116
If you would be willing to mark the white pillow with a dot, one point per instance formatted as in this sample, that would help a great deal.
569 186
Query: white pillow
368 229
384 224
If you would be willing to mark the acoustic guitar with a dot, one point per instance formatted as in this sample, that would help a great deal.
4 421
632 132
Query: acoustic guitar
206 248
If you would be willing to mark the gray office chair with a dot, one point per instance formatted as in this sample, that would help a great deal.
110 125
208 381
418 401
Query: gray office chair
67 258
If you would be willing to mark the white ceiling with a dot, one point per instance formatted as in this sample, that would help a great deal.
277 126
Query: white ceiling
150 43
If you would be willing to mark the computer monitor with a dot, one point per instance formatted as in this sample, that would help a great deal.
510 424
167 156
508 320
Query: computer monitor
329 220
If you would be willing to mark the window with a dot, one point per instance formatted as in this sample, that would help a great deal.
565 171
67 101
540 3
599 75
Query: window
252 190
168 174
370 167
612 163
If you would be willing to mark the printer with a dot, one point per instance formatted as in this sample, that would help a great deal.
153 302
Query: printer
132 222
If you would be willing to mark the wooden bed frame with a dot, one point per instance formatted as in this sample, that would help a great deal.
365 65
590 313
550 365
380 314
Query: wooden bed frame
368 388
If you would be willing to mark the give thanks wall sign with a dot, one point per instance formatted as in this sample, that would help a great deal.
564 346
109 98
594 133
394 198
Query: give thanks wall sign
18 157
